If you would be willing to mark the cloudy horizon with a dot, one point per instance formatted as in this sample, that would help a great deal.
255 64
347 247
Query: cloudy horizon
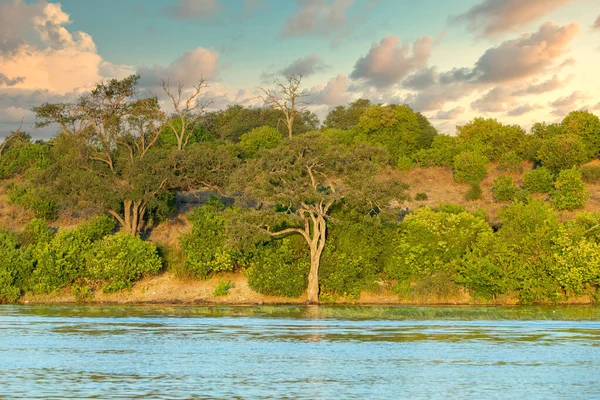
520 62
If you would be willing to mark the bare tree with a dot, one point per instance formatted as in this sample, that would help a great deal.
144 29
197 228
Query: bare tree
188 109
286 97
13 136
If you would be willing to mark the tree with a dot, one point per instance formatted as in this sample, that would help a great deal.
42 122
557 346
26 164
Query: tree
306 177
585 125
342 117
563 152
287 98
491 138
108 139
397 127
187 110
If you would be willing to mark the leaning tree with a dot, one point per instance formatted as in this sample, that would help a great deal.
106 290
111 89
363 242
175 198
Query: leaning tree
304 179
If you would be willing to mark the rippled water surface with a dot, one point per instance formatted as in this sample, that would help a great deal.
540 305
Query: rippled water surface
299 352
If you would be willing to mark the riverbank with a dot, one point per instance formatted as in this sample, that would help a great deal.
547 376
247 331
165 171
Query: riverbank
168 289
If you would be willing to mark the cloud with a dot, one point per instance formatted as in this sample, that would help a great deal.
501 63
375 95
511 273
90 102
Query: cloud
388 62
436 96
493 101
453 113
495 17
543 87
6 81
305 66
596 23
335 92
566 104
521 110
194 9
188 69
317 18
526 56
421 79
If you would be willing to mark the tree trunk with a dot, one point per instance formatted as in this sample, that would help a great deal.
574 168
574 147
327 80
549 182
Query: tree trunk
133 216
316 249
313 277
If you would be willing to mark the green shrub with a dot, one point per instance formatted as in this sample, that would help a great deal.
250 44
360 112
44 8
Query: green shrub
590 173
563 152
43 206
280 268
121 259
82 292
576 263
431 241
539 180
504 189
421 196
222 288
469 166
16 266
19 158
63 260
570 192
354 255
36 231
405 163
474 192
264 137
442 152
511 162
204 247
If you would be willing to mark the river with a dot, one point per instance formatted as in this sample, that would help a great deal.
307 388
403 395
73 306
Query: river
299 352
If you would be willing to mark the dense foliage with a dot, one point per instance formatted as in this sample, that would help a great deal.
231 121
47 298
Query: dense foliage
303 208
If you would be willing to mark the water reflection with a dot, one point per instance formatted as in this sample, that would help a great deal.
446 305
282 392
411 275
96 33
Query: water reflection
299 352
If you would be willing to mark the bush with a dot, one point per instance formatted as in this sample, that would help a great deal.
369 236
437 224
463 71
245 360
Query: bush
431 242
264 137
43 206
563 152
469 167
204 247
354 255
590 173
21 157
63 260
539 180
570 192
422 196
16 266
121 259
504 189
36 231
441 154
511 162
474 192
280 268
405 163
222 288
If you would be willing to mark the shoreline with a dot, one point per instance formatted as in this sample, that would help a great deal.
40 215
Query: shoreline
168 290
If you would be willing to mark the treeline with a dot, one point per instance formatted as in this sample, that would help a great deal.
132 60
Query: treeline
312 209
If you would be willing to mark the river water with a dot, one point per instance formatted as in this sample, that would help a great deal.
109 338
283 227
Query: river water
299 352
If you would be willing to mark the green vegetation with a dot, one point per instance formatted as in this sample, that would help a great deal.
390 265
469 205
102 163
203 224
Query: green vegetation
297 208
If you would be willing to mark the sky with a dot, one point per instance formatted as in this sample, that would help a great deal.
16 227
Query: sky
517 61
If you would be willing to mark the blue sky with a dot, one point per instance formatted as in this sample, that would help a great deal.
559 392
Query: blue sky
518 61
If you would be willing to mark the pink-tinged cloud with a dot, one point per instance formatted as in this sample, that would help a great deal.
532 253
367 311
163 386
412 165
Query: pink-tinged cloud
549 85
389 61
521 110
563 105
188 69
495 17
527 56
317 18
333 93
453 113
597 23
495 100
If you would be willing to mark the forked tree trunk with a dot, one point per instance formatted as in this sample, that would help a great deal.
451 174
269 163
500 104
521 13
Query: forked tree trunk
132 220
